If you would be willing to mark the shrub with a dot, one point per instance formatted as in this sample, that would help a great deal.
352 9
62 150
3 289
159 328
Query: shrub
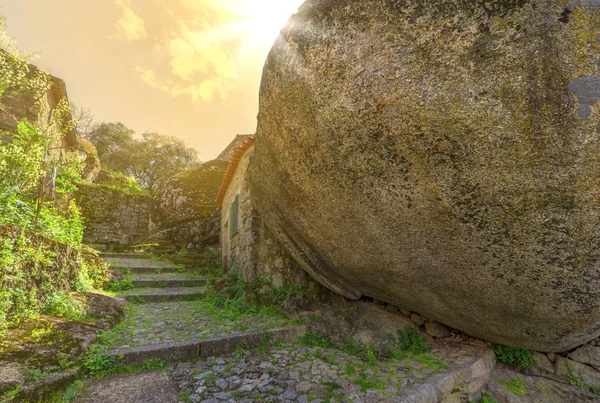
518 357
410 341
62 306
313 340
122 285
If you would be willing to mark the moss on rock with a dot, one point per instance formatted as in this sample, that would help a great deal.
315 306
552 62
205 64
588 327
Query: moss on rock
433 155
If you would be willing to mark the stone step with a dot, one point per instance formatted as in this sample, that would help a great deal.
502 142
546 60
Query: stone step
142 295
154 270
143 265
162 281
211 347
108 255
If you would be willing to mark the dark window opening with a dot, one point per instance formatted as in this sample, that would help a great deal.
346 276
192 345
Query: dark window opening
234 216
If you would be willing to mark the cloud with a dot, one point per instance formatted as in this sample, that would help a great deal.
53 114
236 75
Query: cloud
198 52
201 49
131 27
206 91
150 78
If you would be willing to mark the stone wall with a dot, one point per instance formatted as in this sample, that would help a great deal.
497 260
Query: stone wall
113 217
185 212
253 251
23 107
35 281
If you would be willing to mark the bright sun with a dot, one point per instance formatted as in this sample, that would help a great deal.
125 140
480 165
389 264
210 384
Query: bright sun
261 20
267 17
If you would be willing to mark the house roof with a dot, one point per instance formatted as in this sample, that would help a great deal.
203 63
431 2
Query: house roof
235 160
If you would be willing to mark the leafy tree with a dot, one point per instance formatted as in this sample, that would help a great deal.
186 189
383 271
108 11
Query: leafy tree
114 143
151 159
160 157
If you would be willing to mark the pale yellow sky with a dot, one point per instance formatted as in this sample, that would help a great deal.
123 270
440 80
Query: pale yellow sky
190 68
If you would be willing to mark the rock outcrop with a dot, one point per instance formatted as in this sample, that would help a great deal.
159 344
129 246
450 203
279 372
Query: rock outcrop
185 210
442 156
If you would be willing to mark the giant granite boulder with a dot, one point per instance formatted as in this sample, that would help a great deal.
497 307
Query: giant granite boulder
442 156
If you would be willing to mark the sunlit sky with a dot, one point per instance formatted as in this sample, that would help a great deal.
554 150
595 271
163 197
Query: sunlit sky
190 68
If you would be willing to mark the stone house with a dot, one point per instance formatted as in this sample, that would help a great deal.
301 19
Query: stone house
247 246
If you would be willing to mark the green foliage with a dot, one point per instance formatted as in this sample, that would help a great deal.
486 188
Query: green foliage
97 364
12 394
72 391
34 276
33 374
351 348
63 306
519 357
349 369
487 398
282 293
515 386
120 182
411 342
577 381
313 340
122 285
372 357
151 158
366 382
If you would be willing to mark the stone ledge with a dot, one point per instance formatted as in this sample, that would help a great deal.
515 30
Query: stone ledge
181 351
108 255
225 345
169 283
468 370
184 351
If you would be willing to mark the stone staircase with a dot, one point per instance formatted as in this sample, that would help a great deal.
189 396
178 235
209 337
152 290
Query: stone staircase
157 281
167 320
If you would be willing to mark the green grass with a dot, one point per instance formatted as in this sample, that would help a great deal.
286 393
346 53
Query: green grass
349 369
518 357
515 386
487 398
351 348
313 340
12 394
96 364
61 305
122 285
72 391
366 382
282 293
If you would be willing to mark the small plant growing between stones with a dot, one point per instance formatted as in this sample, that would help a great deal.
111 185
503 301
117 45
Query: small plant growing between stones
515 386
313 340
349 369
372 355
350 347
518 357
410 341
12 394
61 305
487 398
33 374
577 381
281 294
366 382
72 391
122 285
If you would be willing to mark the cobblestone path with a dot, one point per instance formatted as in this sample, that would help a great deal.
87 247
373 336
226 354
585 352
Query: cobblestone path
219 355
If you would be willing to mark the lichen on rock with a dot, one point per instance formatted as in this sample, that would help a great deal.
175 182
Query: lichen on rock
442 156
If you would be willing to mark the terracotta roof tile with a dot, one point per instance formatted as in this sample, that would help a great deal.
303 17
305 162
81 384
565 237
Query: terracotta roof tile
235 160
